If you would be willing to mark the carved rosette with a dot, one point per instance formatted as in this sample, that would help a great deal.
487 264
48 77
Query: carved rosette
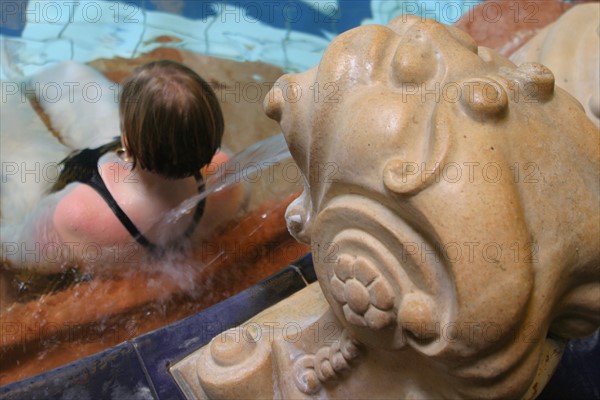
374 277
366 297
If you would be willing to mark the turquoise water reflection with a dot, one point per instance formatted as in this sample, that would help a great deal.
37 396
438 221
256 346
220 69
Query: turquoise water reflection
290 34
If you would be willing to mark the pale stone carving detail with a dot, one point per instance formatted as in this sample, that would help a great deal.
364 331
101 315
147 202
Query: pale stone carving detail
452 204
569 47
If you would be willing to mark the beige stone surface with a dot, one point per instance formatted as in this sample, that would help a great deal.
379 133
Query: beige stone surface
452 205
237 359
507 25
246 370
570 47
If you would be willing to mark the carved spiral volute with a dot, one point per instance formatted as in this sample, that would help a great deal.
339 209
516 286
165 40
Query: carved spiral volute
370 266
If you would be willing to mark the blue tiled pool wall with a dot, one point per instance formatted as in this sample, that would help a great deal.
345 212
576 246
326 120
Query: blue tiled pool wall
289 33
139 368
317 17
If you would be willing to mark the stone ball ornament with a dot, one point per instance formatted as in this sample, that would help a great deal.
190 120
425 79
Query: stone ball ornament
452 202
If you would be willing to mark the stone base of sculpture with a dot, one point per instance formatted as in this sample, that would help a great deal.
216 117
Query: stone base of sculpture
297 349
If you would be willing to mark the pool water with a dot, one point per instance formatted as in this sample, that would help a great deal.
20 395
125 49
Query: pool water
290 34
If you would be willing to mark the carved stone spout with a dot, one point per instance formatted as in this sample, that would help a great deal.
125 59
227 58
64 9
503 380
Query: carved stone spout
452 204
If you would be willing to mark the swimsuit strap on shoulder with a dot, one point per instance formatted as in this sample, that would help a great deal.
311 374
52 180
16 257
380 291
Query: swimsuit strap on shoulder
199 207
98 184
82 166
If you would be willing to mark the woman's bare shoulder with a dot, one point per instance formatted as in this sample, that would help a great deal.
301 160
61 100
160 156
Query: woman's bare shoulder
83 216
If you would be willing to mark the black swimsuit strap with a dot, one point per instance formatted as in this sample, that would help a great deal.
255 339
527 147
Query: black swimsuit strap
98 184
82 166
199 207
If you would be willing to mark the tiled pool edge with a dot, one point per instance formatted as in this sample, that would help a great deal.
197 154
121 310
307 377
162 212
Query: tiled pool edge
139 368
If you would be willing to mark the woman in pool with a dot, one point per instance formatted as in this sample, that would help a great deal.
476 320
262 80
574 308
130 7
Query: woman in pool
116 195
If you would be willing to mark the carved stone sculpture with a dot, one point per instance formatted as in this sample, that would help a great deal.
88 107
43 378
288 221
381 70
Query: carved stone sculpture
570 48
452 205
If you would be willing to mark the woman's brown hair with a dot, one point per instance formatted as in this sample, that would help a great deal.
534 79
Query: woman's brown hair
170 118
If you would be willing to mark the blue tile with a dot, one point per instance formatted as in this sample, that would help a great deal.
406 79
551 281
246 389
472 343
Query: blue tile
578 374
306 267
112 374
163 347
139 369
13 17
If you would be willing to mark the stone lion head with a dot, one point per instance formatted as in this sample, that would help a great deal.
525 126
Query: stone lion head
451 200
